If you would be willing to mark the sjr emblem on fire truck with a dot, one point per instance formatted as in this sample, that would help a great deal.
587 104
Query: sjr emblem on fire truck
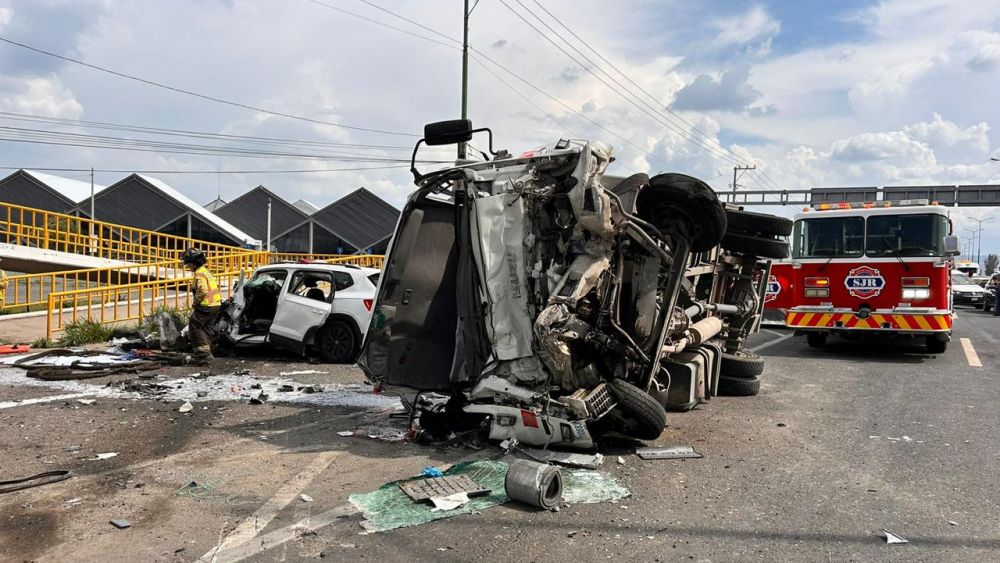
773 289
864 282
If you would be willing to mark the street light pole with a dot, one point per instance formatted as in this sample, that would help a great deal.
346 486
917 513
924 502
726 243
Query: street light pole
465 74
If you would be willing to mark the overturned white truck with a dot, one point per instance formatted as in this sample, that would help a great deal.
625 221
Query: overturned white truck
537 299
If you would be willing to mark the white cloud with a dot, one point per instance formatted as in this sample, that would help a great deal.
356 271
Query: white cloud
979 49
38 95
5 16
943 132
753 26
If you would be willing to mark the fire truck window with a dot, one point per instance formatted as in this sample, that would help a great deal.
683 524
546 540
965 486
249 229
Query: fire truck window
906 235
833 237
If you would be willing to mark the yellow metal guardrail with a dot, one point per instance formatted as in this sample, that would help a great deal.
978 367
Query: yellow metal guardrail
37 228
127 302
131 302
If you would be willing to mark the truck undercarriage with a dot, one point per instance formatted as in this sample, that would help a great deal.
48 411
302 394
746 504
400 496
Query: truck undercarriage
537 299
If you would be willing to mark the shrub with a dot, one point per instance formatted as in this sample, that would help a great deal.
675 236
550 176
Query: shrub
84 332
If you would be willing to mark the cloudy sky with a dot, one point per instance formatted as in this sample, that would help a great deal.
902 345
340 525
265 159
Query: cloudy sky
898 92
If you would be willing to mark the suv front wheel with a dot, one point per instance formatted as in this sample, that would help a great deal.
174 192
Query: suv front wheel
337 343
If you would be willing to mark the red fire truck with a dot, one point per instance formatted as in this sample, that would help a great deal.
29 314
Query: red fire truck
873 267
780 294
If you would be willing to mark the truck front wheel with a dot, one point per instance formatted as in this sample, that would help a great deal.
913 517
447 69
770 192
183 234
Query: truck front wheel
936 345
816 339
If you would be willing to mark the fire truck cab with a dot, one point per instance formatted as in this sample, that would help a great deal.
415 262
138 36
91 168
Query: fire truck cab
873 267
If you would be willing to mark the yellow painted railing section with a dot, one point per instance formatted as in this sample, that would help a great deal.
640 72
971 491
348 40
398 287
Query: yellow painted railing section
122 303
37 228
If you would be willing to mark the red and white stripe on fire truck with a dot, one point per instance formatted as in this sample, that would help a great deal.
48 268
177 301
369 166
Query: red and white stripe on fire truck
879 321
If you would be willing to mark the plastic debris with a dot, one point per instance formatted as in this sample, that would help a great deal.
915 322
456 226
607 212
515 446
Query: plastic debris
893 538
433 472
186 407
449 502
303 372
86 401
669 452
568 459
121 524
309 389
259 399
286 388
621 460
345 433
108 455
305 498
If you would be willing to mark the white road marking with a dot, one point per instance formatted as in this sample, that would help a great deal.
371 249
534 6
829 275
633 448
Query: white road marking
259 520
11 404
771 343
282 535
970 353
774 332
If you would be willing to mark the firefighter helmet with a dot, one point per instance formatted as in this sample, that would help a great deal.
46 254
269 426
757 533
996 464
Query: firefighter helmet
194 257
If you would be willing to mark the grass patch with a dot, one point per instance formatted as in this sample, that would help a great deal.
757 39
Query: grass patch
84 332
43 343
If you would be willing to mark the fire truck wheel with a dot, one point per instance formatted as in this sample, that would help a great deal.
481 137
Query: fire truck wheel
816 339
685 206
935 346
640 415
743 364
755 246
759 224
739 386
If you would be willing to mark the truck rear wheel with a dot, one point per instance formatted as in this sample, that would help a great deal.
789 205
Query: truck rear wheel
743 364
739 386
684 206
755 246
757 224
936 345
816 339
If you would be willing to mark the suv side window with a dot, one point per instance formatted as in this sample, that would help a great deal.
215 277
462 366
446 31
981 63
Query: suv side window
343 280
312 285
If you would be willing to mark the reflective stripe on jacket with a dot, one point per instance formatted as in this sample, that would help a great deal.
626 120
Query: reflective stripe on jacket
206 282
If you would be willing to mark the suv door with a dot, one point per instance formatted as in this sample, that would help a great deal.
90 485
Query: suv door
304 306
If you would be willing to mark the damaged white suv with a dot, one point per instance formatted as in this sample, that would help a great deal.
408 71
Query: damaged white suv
325 307
537 299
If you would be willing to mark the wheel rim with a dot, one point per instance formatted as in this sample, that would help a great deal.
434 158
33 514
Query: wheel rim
339 341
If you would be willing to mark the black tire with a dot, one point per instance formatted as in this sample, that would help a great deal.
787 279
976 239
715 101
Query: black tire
739 386
337 343
642 416
755 246
757 224
743 364
684 206
816 339
935 346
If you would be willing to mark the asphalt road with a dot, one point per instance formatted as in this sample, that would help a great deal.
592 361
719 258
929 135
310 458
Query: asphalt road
841 443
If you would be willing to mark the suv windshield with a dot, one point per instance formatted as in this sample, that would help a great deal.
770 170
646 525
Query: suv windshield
906 235
829 237
958 278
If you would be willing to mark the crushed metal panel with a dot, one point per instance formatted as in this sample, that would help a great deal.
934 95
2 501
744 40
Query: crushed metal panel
424 489
500 252
668 452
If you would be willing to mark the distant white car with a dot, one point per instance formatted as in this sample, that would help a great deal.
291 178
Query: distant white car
964 291
324 307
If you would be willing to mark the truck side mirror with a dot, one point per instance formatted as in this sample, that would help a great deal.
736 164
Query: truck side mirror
952 246
449 132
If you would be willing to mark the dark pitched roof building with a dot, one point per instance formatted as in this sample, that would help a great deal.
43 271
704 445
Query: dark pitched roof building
362 219
46 191
249 213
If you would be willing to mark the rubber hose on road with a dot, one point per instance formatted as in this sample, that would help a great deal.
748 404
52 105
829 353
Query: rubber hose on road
537 484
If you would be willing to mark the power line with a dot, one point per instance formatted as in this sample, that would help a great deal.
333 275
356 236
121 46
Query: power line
655 117
487 58
202 96
693 129
292 171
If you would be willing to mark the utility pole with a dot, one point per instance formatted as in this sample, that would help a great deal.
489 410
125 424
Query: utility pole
738 169
465 74
979 235
267 243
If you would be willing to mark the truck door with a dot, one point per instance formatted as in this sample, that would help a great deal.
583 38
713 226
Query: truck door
303 308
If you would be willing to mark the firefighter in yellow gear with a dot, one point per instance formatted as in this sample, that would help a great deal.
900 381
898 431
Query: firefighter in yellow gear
207 303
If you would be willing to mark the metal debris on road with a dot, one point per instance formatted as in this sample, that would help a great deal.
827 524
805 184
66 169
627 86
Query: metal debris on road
441 486
621 460
34 481
186 407
303 372
86 401
533 483
305 497
345 433
568 459
893 538
108 455
668 452
259 399
121 524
